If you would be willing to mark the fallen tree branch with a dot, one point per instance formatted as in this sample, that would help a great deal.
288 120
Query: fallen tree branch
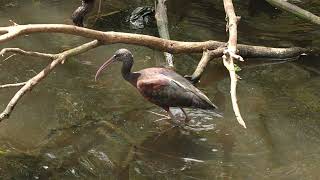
230 55
160 44
12 85
301 13
162 23
58 59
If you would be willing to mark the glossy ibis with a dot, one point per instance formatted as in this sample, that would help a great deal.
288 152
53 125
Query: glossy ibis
79 14
160 86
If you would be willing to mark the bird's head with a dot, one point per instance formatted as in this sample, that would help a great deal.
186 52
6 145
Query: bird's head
121 55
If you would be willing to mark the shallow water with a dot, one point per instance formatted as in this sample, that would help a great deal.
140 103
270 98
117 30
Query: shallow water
70 127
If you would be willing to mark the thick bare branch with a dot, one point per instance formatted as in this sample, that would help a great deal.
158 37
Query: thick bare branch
59 58
303 14
170 46
109 37
230 55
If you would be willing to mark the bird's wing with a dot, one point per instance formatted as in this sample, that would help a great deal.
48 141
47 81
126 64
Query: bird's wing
186 84
162 92
190 88
165 90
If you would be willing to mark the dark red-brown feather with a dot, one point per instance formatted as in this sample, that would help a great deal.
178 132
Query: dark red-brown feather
166 88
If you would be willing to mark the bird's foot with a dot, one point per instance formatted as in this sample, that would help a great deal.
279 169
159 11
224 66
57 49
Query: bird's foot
187 120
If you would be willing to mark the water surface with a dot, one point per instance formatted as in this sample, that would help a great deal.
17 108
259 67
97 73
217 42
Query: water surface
70 127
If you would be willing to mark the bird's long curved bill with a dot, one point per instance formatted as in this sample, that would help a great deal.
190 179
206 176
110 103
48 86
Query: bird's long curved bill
103 66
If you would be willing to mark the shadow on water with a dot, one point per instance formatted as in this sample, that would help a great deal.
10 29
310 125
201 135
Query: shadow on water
70 127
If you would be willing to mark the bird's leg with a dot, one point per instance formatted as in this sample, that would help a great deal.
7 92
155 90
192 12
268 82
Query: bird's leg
174 120
187 119
196 127
184 125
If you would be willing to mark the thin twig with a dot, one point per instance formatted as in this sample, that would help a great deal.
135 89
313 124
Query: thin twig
59 58
99 7
12 85
99 11
27 53
230 55
6 59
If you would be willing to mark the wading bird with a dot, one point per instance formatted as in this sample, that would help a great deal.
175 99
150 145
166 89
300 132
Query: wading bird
160 86
79 14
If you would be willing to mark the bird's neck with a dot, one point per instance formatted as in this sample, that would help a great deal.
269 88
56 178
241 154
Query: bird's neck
87 6
126 69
